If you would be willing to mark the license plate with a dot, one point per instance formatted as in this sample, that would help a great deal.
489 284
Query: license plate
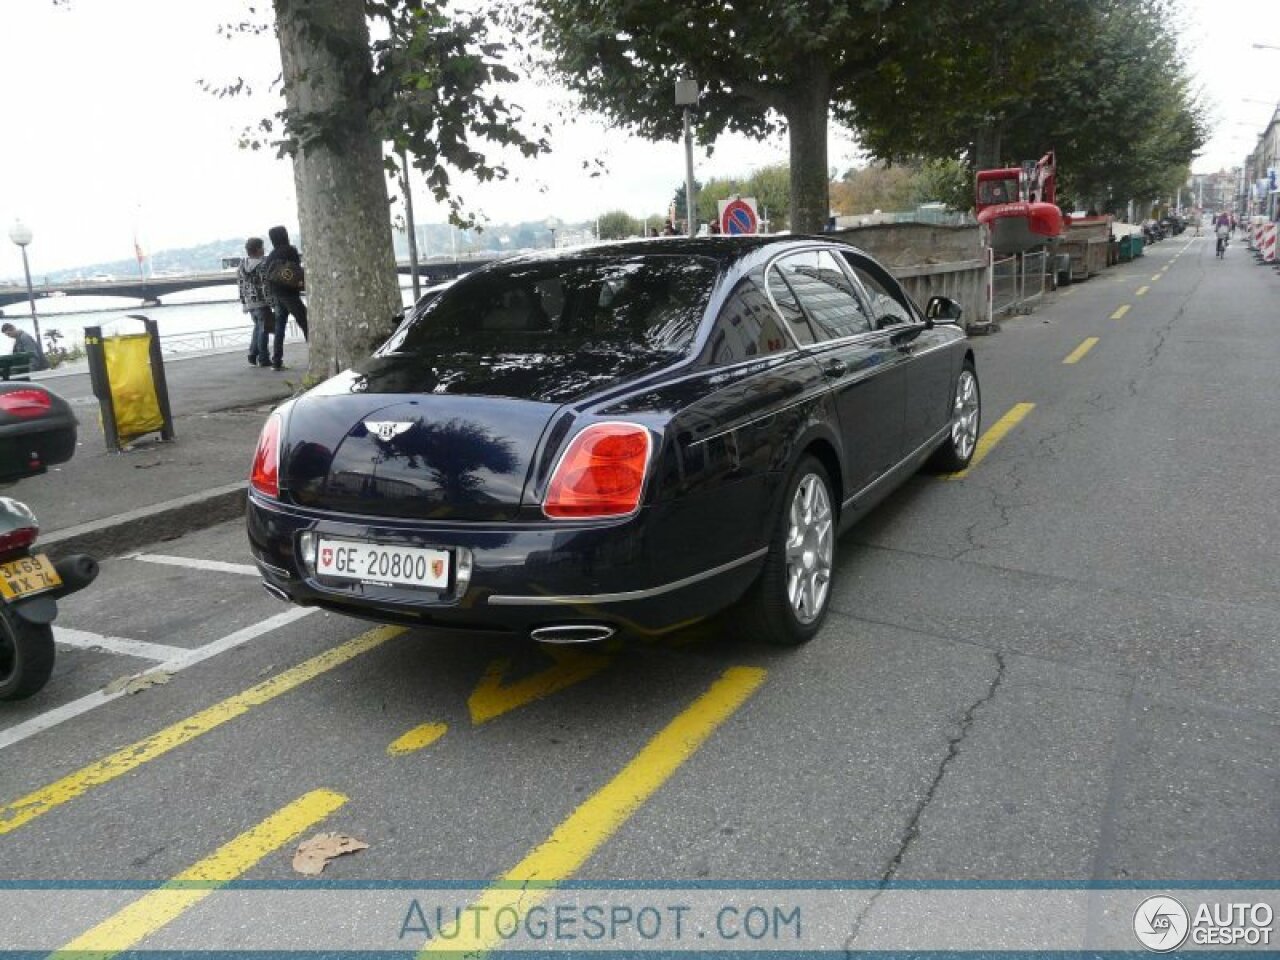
382 564
26 576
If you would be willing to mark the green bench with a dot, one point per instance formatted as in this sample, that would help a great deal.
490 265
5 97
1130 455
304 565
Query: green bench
15 366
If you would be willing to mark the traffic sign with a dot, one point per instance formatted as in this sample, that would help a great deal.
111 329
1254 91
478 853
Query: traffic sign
738 216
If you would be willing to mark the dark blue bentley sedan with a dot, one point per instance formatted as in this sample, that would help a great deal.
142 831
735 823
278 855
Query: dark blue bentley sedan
623 437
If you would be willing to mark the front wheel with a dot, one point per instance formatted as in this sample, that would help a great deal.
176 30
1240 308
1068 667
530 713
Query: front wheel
787 605
966 417
26 656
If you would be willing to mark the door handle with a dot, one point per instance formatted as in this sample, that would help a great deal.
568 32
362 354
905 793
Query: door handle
835 367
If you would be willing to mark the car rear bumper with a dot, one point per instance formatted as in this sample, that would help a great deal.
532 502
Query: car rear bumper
521 577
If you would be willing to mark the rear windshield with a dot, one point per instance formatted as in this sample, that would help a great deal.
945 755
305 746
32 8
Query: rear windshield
648 304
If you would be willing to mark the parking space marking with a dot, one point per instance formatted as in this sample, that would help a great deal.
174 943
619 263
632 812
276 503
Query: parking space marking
84 640
492 698
418 738
1076 355
1120 312
117 764
1156 277
994 435
184 659
1142 291
602 814
193 563
131 925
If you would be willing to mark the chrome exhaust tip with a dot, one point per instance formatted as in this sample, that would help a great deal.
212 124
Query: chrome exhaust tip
572 633
276 592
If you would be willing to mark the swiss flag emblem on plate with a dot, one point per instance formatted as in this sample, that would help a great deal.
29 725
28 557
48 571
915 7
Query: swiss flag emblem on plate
437 568
326 556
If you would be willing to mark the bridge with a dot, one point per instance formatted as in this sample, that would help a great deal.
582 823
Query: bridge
151 290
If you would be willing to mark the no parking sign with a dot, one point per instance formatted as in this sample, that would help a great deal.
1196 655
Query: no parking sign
738 216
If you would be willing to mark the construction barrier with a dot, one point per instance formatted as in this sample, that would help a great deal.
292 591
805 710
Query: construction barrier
1267 243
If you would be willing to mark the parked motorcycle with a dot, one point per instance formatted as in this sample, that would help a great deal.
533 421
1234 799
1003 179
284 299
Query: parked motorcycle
37 430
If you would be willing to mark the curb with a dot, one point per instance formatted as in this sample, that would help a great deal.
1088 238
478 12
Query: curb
123 532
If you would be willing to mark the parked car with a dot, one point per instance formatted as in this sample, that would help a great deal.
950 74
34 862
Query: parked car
622 437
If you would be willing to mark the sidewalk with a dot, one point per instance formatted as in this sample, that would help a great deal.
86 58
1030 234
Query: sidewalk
104 502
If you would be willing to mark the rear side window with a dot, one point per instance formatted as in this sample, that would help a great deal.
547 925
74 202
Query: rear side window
748 326
888 302
651 304
824 291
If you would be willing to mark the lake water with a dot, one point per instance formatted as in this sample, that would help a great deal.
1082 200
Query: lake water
185 313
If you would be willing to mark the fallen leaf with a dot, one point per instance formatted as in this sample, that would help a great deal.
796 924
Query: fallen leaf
137 682
312 856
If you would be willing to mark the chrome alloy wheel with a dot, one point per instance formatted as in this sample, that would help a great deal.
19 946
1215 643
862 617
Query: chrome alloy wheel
810 544
965 416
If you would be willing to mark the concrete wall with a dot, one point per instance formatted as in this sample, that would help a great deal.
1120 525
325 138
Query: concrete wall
964 281
910 244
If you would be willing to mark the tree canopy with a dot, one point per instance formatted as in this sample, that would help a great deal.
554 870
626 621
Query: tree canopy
1102 82
759 68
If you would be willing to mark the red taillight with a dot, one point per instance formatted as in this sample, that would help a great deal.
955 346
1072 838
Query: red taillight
601 474
25 403
18 539
265 476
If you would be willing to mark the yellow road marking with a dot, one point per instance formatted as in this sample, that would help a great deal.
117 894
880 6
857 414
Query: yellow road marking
417 738
1119 314
140 919
492 699
603 813
1076 355
117 764
1156 277
994 435
1142 291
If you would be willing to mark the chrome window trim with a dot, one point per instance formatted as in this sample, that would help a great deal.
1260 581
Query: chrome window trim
504 600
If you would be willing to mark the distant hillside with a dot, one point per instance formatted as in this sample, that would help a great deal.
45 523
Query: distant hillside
434 240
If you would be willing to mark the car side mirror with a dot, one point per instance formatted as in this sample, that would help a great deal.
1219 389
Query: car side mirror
943 310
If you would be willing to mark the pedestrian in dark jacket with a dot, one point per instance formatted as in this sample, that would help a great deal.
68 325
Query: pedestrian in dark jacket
24 342
255 300
287 296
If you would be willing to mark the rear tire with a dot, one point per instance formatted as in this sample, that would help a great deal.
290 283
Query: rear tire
788 603
966 419
26 656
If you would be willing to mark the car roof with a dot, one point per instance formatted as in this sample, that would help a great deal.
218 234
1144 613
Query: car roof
722 248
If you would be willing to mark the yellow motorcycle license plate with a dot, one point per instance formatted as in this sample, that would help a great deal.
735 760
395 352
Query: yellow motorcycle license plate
26 576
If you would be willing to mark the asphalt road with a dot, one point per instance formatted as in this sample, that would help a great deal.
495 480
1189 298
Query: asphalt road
1059 667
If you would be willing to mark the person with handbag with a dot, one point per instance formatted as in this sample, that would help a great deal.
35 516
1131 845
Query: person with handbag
287 281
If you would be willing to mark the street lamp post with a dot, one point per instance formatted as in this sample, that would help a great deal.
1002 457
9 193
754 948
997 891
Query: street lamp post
551 224
686 97
20 234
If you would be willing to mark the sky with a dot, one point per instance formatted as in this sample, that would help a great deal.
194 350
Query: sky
108 134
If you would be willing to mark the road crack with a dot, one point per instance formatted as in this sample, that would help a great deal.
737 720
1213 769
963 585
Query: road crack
912 832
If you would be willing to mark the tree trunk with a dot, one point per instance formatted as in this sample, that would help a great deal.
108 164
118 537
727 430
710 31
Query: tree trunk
987 147
342 191
806 112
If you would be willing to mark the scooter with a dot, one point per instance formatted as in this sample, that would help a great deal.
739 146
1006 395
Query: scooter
37 430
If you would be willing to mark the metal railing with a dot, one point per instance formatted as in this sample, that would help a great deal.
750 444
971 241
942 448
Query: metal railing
1005 285
211 341
1032 277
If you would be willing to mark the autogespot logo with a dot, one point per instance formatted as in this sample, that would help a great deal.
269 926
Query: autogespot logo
1161 923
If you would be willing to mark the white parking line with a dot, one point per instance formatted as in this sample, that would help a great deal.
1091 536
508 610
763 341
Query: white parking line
85 640
244 569
187 658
